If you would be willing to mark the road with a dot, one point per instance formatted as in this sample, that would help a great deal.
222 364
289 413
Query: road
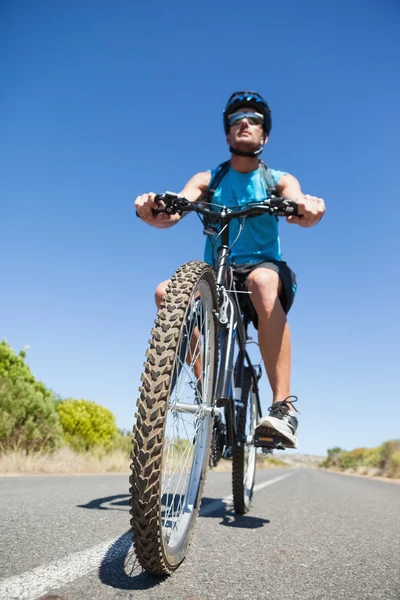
310 535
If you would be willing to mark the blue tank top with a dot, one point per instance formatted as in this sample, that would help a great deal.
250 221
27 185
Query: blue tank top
259 239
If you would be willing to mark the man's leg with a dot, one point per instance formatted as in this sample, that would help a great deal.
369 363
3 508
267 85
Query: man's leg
160 292
274 340
273 329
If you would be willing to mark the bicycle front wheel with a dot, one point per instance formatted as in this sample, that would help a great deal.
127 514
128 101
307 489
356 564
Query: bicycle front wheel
171 440
244 452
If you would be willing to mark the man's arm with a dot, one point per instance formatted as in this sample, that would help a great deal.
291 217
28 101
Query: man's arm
194 191
311 208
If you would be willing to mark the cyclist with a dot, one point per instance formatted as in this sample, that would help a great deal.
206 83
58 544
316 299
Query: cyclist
256 255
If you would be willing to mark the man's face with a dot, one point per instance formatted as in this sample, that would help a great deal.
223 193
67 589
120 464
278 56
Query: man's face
244 135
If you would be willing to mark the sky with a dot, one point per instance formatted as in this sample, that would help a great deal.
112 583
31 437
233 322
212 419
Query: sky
101 102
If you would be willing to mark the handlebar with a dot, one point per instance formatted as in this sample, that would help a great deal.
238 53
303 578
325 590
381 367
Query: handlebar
176 204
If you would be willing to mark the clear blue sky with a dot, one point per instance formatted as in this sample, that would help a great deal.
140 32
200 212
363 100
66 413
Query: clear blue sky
102 101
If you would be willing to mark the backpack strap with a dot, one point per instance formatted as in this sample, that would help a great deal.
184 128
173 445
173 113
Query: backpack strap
267 177
216 179
222 170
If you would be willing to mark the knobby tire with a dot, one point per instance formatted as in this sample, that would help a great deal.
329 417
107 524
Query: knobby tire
243 454
150 439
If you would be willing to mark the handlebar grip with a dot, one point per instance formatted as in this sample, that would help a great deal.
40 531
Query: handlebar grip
155 211
293 205
283 208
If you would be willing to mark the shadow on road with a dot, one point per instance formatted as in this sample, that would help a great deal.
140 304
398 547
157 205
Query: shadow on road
120 568
113 503
229 518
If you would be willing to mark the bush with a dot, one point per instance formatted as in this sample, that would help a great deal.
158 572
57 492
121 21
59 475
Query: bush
87 425
391 453
13 367
32 418
394 470
385 457
332 458
374 457
28 416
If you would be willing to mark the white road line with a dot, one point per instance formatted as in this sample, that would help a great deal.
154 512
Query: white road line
36 582
39 581
260 486
227 501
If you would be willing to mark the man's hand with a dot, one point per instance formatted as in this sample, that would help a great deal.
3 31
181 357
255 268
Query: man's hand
310 210
193 191
144 205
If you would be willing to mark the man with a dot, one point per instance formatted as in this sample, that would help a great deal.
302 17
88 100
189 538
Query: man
256 255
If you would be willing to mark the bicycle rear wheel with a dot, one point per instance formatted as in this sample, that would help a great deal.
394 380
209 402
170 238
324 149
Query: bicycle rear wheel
243 452
171 440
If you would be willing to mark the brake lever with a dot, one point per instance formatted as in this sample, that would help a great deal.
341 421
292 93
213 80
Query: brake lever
283 208
173 203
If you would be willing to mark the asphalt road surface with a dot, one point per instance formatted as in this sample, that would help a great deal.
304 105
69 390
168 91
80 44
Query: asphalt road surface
310 535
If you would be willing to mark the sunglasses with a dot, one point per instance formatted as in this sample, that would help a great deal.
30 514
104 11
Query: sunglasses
253 118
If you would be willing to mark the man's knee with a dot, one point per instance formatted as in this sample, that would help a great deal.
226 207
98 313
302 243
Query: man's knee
160 291
264 285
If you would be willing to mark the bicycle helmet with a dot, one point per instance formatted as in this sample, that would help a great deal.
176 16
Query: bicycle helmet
248 100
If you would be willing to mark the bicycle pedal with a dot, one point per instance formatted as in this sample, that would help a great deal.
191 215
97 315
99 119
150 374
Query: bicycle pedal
272 442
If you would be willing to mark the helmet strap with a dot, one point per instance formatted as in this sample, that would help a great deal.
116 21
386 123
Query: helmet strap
251 154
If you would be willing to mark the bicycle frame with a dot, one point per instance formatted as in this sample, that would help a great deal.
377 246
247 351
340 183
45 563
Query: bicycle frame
233 329
233 326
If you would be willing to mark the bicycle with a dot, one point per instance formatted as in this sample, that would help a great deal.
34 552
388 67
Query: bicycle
199 397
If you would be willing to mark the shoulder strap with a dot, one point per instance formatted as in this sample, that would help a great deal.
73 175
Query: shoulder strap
216 180
222 170
267 177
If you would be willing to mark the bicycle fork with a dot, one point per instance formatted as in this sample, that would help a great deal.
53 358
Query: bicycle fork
228 326
230 376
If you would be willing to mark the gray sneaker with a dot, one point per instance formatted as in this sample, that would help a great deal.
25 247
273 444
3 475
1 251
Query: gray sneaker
281 422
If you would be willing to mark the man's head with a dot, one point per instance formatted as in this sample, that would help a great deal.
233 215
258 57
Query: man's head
247 123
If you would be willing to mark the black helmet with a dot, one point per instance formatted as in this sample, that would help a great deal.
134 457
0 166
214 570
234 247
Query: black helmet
250 100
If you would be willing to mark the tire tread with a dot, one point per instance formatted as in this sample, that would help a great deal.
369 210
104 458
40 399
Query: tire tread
148 433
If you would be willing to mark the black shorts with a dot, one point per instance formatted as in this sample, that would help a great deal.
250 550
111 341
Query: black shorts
286 275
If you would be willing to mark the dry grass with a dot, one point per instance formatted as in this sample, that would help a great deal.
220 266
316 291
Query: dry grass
68 462
263 462
64 461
